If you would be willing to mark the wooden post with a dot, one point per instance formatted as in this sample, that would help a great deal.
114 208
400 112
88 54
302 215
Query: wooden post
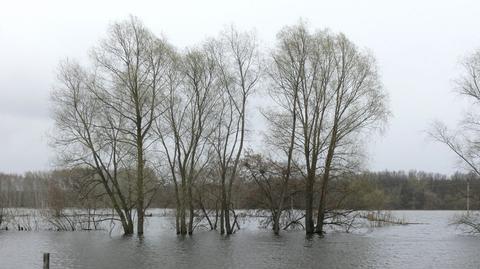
46 260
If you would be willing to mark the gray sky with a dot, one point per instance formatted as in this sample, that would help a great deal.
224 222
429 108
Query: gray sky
418 45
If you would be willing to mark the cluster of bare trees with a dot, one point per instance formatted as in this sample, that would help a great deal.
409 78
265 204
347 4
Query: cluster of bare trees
144 113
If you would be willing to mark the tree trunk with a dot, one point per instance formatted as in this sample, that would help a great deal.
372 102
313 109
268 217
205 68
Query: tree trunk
140 191
228 227
321 210
128 229
276 223
223 205
183 224
222 225
323 196
177 210
177 218
191 209
309 226
326 177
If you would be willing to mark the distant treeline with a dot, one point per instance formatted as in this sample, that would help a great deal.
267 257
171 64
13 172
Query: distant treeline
413 190
367 190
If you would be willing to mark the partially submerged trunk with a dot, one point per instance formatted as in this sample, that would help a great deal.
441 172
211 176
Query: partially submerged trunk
140 184
309 224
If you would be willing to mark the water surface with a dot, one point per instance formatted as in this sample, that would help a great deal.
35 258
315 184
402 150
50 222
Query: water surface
434 244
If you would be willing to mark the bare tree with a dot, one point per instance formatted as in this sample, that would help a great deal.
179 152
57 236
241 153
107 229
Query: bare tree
295 70
131 64
359 103
273 180
186 126
237 59
464 142
332 91
110 110
82 139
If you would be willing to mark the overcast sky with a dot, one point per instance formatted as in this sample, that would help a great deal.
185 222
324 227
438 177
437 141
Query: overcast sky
418 45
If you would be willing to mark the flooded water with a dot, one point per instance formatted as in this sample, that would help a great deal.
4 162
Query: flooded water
433 244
